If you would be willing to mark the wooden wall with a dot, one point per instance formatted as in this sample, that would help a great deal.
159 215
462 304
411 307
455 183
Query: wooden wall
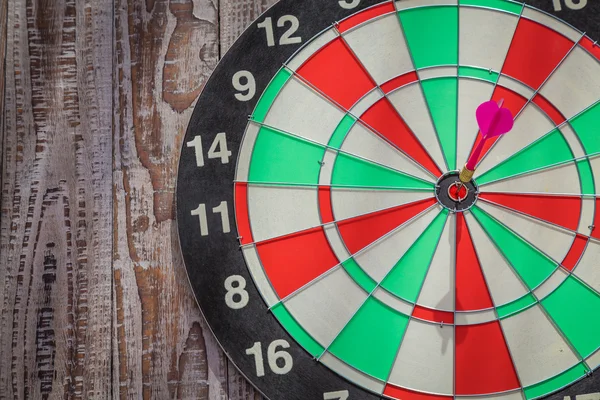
94 299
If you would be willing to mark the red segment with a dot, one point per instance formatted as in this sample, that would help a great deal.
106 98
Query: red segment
361 231
385 120
512 101
457 194
294 260
575 253
241 213
399 393
325 207
590 46
366 15
400 81
535 52
471 289
564 211
335 71
549 109
596 230
483 363
428 314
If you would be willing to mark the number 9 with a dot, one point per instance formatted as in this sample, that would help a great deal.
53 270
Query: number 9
245 84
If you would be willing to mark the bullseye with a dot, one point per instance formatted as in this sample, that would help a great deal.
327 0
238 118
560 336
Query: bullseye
458 192
455 195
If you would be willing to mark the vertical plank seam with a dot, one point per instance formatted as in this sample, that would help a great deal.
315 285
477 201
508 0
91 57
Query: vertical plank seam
113 331
3 52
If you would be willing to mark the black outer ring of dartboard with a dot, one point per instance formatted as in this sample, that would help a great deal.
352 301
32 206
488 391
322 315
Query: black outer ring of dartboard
212 259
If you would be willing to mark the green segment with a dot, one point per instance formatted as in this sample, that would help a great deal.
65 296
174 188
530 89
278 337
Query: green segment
359 276
297 332
588 129
518 305
341 131
478 73
285 159
350 171
587 177
432 35
407 277
574 308
556 383
549 150
530 264
507 6
442 98
263 106
371 339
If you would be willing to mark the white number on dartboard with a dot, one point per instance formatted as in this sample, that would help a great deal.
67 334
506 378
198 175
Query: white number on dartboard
349 4
218 149
593 396
245 84
341 395
287 37
279 361
571 4
237 297
222 209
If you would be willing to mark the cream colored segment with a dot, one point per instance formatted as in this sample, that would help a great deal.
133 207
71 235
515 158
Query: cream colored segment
558 180
549 239
324 308
475 317
594 362
538 350
350 203
588 209
327 167
531 125
552 23
245 156
595 164
437 72
378 260
351 374
518 395
588 269
504 285
551 284
336 243
471 93
485 36
413 108
575 85
438 291
258 276
277 211
366 144
425 361
392 301
366 102
516 86
302 112
381 48
311 48
573 140
404 4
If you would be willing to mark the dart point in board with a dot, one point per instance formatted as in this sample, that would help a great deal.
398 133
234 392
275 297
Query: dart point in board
494 121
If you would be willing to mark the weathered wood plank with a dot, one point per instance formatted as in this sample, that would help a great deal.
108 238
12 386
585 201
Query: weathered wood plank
164 52
55 236
3 44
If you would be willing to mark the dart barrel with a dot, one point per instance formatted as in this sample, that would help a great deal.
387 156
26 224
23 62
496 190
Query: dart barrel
466 175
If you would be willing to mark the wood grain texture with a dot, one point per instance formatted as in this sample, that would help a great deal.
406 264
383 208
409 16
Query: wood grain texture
95 302
55 238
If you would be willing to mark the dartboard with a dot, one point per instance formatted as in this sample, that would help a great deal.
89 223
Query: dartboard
329 235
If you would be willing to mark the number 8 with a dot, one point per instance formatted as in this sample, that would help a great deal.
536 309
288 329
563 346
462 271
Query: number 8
238 290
